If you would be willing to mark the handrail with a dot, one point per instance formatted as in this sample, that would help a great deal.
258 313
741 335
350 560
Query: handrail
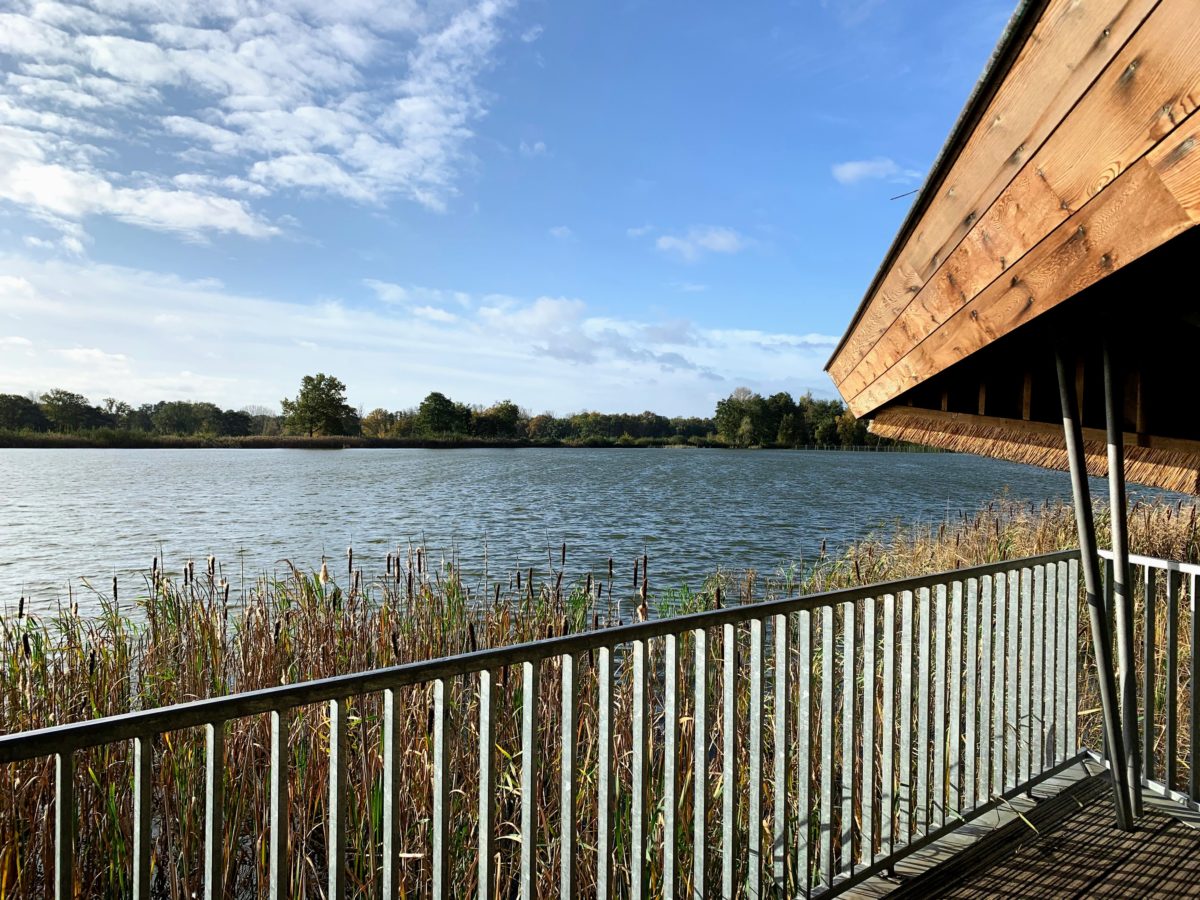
143 723
1168 565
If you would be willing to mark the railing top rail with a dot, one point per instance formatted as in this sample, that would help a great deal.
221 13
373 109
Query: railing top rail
144 723
1170 565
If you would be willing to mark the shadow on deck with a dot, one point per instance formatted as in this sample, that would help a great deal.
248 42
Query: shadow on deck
1066 845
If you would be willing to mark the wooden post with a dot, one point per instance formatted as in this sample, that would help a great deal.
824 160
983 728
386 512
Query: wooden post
1101 641
1121 587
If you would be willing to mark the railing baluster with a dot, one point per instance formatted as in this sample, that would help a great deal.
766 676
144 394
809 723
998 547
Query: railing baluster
848 683
700 745
729 843
143 838
937 804
569 770
937 811
1073 644
1194 696
982 787
782 740
1000 682
441 791
1171 699
825 813
280 888
64 825
804 752
1025 655
970 697
954 803
214 810
487 787
867 792
755 781
530 671
670 764
887 729
904 817
925 609
606 779
1067 641
1050 671
638 765
336 826
1013 677
1150 647
1037 693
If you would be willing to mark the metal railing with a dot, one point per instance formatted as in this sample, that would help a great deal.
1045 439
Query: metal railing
800 744
1167 713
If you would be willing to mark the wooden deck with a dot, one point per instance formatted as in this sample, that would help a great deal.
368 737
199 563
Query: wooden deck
1062 844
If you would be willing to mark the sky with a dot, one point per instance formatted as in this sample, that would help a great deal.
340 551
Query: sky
617 205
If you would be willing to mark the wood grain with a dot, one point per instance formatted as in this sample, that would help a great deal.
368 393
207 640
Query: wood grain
1151 85
1135 214
1068 48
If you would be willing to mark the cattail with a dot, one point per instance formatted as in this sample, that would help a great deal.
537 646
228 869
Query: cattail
643 611
471 637
717 598
635 573
518 579
191 565
389 564
21 609
563 559
324 576
212 568
588 589
497 598
610 569
349 560
114 589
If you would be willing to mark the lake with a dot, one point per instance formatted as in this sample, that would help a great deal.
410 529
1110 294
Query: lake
67 515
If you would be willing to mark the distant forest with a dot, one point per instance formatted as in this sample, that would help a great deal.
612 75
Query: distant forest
743 419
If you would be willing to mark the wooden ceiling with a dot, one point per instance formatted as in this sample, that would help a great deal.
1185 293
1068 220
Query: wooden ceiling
1079 154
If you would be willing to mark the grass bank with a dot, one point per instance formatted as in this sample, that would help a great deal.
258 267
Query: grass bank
182 640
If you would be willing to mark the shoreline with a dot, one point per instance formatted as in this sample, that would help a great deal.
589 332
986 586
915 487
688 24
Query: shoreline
131 441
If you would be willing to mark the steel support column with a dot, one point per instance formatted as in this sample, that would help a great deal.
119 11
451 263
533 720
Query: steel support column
1101 640
1122 586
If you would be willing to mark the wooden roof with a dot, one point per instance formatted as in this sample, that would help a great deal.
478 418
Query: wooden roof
1073 168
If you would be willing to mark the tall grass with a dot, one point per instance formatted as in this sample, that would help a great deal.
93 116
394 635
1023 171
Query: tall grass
181 639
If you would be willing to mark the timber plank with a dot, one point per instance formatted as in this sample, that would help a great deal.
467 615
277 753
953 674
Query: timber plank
1150 86
1072 43
1177 162
1135 214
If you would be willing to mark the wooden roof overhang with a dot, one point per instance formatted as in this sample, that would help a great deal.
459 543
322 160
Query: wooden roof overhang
1059 210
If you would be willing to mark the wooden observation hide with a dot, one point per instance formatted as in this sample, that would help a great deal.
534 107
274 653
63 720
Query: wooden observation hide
1040 301
1058 216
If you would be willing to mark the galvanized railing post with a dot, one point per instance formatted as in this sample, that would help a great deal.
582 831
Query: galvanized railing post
782 739
729 770
755 782
568 774
606 775
487 800
143 839
441 791
64 825
530 671
671 759
335 829
639 765
279 887
700 745
214 811
391 794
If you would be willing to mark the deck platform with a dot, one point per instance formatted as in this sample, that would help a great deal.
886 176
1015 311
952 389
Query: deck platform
1061 842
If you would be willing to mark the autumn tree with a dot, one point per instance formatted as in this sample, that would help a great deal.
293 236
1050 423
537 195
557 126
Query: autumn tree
320 408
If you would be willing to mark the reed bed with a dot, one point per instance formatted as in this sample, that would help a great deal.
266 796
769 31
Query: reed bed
181 639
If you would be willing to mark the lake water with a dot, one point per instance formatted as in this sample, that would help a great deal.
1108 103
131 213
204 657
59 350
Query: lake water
66 515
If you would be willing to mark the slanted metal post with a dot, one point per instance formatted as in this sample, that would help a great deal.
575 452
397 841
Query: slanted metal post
1091 573
1122 594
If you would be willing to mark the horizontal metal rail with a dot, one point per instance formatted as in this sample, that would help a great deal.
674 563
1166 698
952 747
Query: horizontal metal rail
807 698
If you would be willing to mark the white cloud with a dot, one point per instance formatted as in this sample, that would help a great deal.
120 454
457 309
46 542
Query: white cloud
878 168
562 233
537 148
366 100
529 35
701 239
639 231
152 336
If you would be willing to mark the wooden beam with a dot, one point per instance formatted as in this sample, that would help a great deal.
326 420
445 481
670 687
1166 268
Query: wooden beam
1149 87
1131 217
1069 46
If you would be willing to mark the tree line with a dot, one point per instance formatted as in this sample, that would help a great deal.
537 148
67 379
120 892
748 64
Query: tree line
320 408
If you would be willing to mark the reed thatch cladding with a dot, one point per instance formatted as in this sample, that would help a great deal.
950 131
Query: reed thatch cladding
1173 465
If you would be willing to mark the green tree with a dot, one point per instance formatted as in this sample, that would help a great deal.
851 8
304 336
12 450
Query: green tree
438 414
320 408
69 412
378 423
19 413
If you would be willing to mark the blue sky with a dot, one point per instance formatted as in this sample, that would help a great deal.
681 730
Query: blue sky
617 206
